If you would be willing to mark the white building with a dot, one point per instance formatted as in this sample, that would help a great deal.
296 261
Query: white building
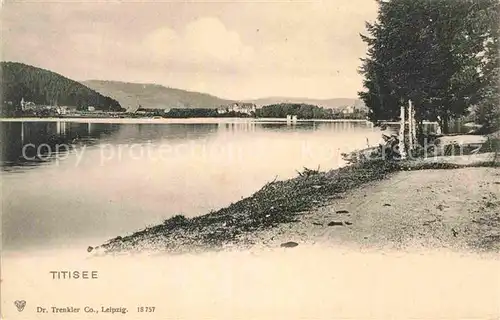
62 110
27 105
242 107
222 110
348 110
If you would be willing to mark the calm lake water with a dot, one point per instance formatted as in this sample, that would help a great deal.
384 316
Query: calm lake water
76 183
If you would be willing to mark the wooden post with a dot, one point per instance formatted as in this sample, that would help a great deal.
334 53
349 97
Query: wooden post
438 128
411 126
402 151
22 131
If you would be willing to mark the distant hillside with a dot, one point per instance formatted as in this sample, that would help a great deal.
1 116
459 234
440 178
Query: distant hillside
48 88
335 104
153 96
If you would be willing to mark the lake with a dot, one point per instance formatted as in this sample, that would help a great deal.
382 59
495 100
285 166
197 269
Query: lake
67 184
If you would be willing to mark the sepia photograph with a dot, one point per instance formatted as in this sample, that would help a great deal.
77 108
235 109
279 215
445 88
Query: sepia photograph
250 159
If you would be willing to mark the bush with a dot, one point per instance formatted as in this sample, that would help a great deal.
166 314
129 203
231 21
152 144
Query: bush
176 221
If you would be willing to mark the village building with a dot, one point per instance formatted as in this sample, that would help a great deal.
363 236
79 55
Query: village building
27 105
61 110
348 110
239 107
247 108
222 110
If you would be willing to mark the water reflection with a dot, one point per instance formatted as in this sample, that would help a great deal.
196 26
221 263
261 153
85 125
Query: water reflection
237 127
140 133
32 143
118 178
28 144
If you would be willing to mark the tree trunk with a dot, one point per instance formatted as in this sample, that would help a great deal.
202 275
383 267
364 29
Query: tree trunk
446 127
419 122
443 122
420 132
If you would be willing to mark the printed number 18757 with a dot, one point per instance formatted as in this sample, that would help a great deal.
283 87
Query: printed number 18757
146 309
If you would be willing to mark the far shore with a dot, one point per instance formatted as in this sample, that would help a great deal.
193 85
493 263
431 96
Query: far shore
175 120
194 120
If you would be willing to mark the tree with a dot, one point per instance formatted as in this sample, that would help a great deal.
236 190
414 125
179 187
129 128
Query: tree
440 54
488 111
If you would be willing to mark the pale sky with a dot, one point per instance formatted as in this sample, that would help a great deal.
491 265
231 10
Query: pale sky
232 49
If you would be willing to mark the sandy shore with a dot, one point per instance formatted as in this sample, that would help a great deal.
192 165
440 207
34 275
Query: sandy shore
456 209
376 205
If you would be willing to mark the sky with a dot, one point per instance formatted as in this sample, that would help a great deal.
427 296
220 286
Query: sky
232 49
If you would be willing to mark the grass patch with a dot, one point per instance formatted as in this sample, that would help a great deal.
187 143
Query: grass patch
177 221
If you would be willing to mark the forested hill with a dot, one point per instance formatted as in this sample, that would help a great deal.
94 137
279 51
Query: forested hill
305 111
334 103
48 88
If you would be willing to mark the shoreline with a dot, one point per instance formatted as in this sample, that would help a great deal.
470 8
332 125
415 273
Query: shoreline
278 207
176 120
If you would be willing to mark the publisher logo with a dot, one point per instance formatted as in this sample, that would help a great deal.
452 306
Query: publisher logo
20 304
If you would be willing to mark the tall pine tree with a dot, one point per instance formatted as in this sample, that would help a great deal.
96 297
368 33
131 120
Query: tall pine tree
441 54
